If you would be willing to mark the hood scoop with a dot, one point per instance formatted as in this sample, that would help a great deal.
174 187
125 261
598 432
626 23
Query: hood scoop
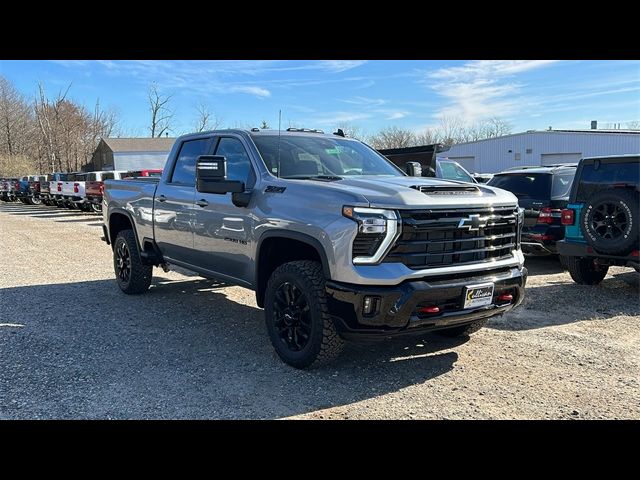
440 190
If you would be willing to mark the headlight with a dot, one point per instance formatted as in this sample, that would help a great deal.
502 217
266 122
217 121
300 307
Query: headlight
377 229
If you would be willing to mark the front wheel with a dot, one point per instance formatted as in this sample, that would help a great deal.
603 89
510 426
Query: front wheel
131 274
462 330
586 271
297 316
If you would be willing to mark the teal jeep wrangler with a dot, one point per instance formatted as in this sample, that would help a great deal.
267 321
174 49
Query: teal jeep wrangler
602 218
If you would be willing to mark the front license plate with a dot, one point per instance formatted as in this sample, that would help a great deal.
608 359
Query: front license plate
478 295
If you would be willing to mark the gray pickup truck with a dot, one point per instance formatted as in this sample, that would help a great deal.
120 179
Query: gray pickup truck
337 242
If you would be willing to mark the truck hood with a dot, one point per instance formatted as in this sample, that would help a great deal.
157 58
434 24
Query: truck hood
401 192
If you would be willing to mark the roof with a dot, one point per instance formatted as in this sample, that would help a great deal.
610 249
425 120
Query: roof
551 132
541 169
162 144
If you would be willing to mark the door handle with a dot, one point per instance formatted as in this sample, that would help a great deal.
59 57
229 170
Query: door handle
161 198
202 203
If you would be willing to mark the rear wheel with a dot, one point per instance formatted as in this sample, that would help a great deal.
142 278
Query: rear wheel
96 207
131 274
35 201
462 330
586 271
297 317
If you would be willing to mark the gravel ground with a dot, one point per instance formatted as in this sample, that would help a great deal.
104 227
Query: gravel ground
73 346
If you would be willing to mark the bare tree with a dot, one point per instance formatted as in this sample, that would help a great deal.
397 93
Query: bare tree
633 125
16 120
392 137
428 136
264 125
206 119
161 114
353 131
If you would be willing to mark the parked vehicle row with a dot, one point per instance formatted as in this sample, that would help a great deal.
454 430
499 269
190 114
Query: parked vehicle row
81 190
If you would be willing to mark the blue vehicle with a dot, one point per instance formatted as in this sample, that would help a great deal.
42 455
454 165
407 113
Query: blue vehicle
602 218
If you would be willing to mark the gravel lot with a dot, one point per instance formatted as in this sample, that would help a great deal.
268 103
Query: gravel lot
73 346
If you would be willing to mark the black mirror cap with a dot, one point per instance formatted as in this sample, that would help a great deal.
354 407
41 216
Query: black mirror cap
414 169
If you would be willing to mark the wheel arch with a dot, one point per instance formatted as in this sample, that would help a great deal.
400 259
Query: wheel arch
279 246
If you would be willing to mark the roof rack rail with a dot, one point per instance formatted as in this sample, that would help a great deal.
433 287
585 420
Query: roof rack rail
310 130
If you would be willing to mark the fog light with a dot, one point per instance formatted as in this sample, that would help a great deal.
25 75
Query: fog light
370 305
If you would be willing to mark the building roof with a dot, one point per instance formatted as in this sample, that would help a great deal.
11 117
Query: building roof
551 132
162 144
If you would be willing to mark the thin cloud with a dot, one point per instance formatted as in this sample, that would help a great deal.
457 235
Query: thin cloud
338 117
365 101
481 88
340 65
396 115
257 91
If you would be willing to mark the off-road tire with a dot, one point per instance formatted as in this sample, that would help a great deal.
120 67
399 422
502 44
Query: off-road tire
140 275
324 343
462 330
585 271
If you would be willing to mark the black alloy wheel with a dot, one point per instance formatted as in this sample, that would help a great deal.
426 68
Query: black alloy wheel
609 221
123 262
293 316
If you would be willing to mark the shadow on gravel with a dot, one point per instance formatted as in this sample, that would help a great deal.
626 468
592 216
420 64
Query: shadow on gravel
543 265
562 302
44 211
182 350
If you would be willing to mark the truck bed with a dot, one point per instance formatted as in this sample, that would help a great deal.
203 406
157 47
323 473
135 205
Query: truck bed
136 198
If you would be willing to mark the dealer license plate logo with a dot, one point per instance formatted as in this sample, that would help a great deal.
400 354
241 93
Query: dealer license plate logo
478 296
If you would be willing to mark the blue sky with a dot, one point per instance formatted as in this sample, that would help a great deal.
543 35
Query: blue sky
530 94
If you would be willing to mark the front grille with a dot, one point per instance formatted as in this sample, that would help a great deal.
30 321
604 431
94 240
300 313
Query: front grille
440 238
366 245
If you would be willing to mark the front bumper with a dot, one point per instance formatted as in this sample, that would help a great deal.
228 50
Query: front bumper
397 306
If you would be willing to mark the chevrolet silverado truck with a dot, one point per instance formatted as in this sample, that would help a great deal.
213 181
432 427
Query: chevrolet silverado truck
337 242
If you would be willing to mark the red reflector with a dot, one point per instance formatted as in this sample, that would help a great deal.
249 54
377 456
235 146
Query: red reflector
75 187
433 309
59 187
635 253
568 216
507 297
589 249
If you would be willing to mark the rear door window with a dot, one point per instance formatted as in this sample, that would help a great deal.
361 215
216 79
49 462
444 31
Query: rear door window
184 172
561 185
525 185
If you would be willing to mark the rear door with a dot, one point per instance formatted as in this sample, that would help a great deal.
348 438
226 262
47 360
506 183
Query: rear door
174 203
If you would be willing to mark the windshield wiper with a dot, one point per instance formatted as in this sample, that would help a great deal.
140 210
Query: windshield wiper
326 177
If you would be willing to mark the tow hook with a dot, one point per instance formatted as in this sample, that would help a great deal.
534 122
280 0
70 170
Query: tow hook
165 267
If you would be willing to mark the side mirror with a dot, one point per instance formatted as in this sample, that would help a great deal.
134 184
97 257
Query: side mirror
211 176
414 169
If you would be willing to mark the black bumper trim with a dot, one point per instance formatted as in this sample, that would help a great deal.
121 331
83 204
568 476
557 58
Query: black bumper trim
569 249
395 314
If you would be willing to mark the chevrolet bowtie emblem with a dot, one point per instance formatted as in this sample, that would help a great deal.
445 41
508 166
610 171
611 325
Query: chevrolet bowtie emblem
473 222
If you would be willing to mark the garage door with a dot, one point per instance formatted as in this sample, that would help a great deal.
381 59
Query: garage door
557 158
466 162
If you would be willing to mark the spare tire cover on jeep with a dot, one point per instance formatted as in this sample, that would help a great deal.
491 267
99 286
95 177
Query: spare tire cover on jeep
610 221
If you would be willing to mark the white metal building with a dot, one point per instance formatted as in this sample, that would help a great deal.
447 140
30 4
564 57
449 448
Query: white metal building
541 148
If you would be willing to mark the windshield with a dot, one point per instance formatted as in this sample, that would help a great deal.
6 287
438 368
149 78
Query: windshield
309 157
452 171
524 185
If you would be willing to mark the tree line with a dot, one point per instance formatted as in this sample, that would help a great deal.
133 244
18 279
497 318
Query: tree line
43 134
